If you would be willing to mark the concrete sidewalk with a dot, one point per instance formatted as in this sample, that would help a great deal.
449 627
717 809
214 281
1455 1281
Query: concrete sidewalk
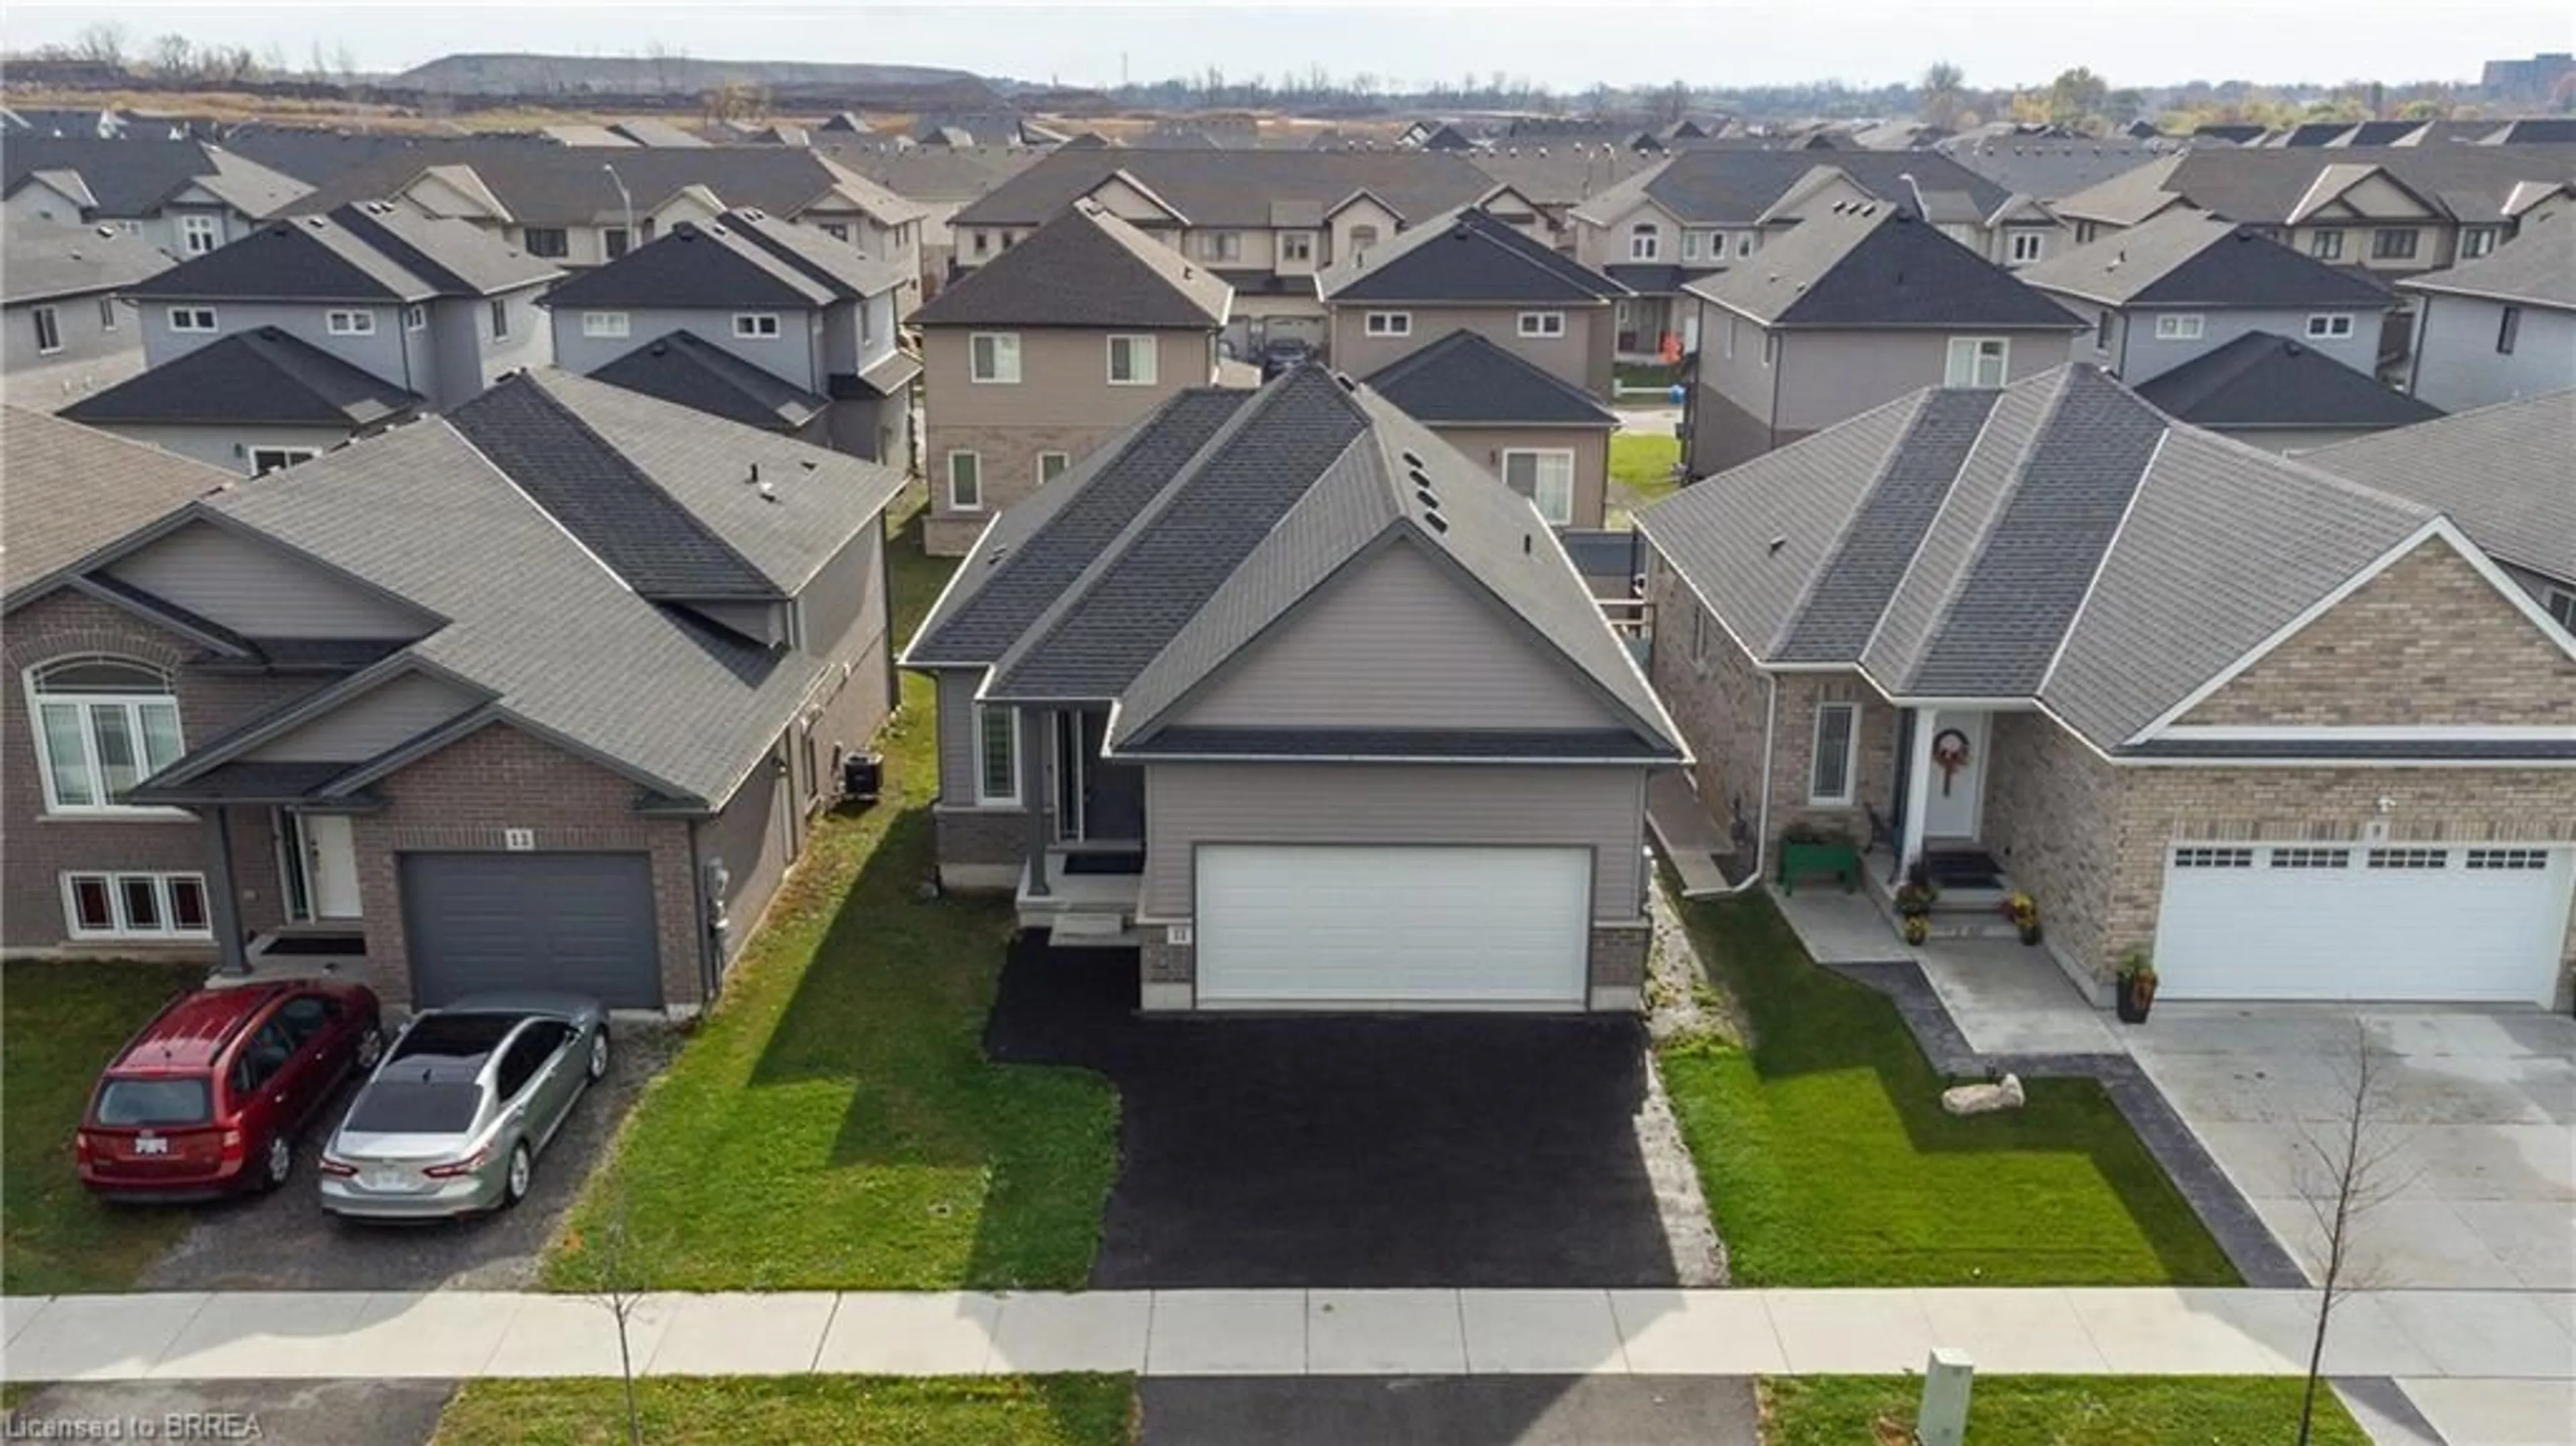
2528 1336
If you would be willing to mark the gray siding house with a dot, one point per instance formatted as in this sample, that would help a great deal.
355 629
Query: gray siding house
65 335
749 317
1851 310
357 752
1285 693
183 197
357 319
2183 285
2502 328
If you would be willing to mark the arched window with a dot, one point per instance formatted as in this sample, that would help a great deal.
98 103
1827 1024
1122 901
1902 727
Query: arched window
1362 238
1645 241
102 726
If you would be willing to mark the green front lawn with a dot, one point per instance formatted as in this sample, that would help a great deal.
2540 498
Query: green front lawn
2056 1411
834 1123
60 1023
1642 462
727 1411
1828 1161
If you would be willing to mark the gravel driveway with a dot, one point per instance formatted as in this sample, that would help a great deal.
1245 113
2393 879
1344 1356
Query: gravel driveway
285 1241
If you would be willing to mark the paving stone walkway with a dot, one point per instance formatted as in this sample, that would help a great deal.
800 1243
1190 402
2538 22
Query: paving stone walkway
325 1335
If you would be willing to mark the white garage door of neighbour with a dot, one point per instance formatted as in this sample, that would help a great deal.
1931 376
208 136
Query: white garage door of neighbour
2364 922
1307 926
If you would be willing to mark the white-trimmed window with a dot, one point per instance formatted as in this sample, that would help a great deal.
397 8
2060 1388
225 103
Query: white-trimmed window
2477 241
264 460
965 482
2180 325
603 323
500 318
192 318
2393 244
551 242
415 317
1221 245
756 325
136 906
1542 323
2029 246
1388 323
49 330
1645 241
1131 361
1771 348
980 242
349 323
997 755
1545 477
2326 244
1836 762
1296 245
107 313
2508 329
1744 243
1699 638
1690 245
2561 605
617 241
994 356
200 234
1051 465
837 230
103 725
2330 325
1977 361
1362 238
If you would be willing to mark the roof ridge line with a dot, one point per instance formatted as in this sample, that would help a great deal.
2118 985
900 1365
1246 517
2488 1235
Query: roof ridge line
1788 626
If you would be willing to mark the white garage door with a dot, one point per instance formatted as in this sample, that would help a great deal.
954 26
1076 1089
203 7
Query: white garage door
2305 921
1301 926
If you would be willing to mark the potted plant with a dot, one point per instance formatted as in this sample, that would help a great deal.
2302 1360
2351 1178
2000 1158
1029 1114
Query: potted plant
2023 910
1914 900
2137 986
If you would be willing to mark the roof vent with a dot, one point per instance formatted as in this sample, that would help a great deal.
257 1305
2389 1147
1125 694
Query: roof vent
1775 545
768 493
1429 501
661 348
1413 461
754 478
1437 522
1345 379
1525 544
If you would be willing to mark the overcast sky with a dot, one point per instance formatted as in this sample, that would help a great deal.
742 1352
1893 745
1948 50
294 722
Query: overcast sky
1716 42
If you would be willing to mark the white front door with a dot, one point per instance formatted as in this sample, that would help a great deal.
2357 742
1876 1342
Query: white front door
2364 922
328 854
1955 790
1295 926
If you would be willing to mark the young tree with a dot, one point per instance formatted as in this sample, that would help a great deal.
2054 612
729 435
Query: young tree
607 1277
2347 1168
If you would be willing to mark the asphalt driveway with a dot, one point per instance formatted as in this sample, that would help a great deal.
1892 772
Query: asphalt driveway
2477 1114
286 1241
1358 1151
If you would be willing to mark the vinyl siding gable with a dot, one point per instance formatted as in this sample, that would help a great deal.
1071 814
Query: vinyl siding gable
261 591
383 717
1397 642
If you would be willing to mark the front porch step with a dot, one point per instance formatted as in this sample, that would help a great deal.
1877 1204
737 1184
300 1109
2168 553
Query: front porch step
1085 931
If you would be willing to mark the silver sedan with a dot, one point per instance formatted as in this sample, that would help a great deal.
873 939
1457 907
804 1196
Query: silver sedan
453 1119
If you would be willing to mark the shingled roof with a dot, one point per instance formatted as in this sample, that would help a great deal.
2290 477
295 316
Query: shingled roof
1237 188
1463 378
2258 381
45 261
551 185
260 377
2058 540
1718 186
70 490
683 367
2266 186
1465 256
1274 494
2187 258
1086 268
2501 472
739 259
378 252
1878 267
128 179
2536 268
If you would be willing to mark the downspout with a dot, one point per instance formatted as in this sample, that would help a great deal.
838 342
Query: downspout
1907 719
894 646
1771 422
1762 809
710 967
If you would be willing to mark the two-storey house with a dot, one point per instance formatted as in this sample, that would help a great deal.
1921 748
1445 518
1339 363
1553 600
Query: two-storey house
755 319
1498 343
183 197
1847 311
1702 211
1036 358
583 206
1264 221
537 694
66 335
313 330
2502 327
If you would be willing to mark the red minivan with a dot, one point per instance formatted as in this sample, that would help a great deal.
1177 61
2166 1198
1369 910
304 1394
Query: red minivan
209 1097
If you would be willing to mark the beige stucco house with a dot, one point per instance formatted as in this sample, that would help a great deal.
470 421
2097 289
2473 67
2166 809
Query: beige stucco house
2293 737
1030 362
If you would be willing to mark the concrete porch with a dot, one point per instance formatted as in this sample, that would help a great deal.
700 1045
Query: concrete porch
2008 998
1080 904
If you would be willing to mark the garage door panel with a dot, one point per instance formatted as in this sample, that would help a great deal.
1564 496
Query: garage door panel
2357 922
1317 926
578 922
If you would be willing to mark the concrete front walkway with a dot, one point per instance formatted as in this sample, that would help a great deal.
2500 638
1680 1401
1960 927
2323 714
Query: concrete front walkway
2529 1336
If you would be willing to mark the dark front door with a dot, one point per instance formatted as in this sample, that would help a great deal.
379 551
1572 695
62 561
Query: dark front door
1095 800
